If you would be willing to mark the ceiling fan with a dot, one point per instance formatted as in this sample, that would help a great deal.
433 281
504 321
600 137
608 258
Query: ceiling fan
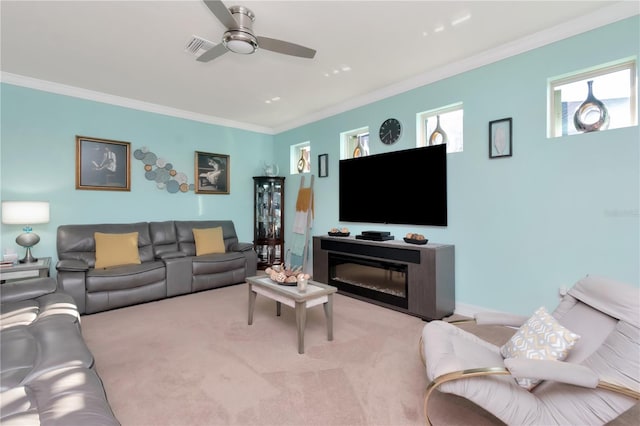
239 37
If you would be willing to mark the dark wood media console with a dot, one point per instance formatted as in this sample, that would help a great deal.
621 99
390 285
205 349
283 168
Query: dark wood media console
418 279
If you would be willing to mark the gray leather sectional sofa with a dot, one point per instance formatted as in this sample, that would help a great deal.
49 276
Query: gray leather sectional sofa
169 265
47 374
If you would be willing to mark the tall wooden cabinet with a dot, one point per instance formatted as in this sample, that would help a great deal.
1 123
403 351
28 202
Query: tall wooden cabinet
268 235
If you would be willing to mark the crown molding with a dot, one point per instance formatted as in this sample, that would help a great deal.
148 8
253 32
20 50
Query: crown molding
76 92
616 12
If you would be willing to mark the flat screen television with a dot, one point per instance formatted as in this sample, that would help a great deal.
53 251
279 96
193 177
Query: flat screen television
401 187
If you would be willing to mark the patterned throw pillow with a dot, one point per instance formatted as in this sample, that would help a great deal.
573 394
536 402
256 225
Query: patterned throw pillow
541 337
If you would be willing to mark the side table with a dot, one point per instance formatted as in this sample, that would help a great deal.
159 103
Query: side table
22 271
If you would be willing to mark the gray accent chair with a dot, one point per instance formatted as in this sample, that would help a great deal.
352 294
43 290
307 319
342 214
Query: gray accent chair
169 265
47 375
597 382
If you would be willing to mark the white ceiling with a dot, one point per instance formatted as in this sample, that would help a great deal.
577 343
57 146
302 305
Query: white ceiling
133 52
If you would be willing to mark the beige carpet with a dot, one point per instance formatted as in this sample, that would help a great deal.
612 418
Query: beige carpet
193 360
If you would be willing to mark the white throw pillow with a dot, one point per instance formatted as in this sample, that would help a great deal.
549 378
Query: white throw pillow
541 337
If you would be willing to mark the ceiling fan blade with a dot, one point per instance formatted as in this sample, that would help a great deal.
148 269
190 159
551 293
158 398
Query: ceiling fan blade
222 13
214 52
285 47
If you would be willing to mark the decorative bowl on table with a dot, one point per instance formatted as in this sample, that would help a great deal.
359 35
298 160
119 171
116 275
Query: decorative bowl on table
415 239
282 275
339 232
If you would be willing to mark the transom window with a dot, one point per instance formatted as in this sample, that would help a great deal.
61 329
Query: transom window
300 158
593 100
354 143
442 125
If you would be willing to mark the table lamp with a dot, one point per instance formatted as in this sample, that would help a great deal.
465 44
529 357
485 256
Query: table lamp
26 213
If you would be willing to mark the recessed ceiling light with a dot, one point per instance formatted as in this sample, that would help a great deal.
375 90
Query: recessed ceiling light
336 71
438 29
346 68
424 34
267 101
276 98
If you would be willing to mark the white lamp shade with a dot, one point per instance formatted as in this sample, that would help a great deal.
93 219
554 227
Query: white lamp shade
25 212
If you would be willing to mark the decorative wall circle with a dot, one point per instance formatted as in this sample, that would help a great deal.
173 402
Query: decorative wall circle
164 175
181 177
149 158
173 186
138 154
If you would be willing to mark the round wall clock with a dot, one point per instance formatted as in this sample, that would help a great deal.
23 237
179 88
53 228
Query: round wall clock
390 131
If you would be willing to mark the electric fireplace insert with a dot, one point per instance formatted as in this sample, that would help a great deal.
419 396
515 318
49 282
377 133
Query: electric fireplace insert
379 280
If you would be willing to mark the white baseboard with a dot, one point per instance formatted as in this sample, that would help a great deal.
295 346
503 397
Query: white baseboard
467 310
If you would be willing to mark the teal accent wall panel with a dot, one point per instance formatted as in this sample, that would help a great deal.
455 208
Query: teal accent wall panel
38 162
523 226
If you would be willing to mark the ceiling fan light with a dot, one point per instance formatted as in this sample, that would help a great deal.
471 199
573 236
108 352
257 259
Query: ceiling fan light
240 42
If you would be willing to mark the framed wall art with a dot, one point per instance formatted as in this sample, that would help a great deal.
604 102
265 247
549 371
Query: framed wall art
102 164
500 141
212 173
323 165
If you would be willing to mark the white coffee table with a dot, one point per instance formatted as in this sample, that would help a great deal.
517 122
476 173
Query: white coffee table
315 294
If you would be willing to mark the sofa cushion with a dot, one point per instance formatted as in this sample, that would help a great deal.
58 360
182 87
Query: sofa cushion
116 249
541 337
71 396
59 344
124 277
184 233
14 314
208 241
26 312
18 350
163 237
18 407
218 263
77 242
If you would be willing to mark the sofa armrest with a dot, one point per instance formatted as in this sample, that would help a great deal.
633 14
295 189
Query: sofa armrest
172 255
72 265
559 371
242 247
27 289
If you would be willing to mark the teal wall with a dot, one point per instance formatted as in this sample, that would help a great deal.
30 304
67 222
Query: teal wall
522 226
39 160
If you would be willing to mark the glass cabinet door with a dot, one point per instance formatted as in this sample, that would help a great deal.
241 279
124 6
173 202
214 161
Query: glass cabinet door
269 219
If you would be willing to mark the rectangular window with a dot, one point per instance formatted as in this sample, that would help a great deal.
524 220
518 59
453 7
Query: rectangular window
354 143
594 100
442 125
300 158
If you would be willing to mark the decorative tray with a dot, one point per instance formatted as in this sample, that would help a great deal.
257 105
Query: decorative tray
414 241
339 234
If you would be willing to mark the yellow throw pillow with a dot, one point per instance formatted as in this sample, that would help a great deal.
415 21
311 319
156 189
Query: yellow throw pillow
209 240
116 249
